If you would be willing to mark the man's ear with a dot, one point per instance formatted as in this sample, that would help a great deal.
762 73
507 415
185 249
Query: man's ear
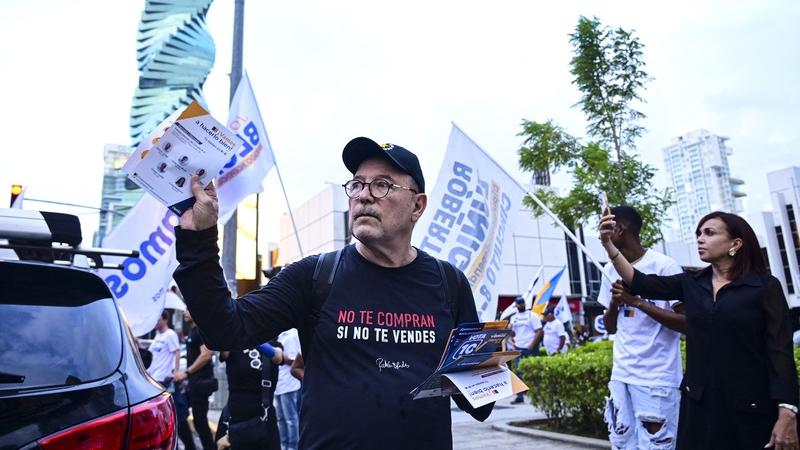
420 203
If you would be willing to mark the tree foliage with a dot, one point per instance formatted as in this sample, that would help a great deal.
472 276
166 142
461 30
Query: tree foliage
608 67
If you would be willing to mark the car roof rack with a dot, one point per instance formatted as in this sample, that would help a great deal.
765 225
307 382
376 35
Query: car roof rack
51 237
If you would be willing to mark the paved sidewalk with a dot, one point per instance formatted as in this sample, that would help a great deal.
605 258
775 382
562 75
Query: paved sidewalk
469 434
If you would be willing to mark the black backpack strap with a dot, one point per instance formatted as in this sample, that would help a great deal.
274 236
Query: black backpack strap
450 278
321 282
269 381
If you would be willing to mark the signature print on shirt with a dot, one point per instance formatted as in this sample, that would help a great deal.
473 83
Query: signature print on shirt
384 364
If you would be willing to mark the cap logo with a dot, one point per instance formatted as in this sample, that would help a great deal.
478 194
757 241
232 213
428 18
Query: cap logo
387 146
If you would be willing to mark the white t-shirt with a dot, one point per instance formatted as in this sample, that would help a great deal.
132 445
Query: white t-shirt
525 324
291 348
553 331
646 353
163 349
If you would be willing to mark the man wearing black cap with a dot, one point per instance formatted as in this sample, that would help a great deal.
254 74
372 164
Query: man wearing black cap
381 329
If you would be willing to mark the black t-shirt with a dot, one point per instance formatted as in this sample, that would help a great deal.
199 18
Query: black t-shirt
193 343
245 370
381 332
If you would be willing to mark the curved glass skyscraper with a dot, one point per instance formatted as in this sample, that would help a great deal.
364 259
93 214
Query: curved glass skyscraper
175 53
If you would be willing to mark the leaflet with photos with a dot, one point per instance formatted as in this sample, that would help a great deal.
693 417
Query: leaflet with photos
473 364
187 143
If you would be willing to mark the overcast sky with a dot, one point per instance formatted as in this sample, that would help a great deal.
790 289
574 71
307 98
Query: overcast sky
325 72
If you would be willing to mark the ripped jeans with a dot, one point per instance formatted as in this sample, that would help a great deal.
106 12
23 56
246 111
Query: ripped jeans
630 409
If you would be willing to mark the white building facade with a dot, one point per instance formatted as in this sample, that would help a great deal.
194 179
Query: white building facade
778 233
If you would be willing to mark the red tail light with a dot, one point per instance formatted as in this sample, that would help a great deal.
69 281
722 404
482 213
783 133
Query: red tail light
107 432
153 424
152 427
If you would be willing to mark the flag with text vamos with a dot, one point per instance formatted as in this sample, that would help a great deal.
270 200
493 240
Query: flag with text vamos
469 218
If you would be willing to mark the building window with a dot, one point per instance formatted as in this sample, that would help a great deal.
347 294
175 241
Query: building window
787 273
793 227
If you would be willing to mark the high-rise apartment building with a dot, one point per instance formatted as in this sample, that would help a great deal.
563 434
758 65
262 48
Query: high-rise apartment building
697 163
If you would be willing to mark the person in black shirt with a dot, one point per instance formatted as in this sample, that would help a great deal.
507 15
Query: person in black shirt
740 390
252 375
380 332
200 373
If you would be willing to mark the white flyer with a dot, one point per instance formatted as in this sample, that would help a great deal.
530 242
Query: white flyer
484 385
194 144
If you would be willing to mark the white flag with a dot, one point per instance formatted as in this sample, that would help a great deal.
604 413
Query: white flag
469 218
139 287
562 311
528 296
245 172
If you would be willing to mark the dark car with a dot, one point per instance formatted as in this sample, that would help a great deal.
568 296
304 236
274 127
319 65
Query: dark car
71 376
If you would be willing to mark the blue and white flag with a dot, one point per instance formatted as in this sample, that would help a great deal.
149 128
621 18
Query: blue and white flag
562 311
469 218
245 172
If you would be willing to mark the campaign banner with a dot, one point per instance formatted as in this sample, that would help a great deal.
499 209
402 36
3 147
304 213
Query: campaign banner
469 218
195 144
139 287
244 173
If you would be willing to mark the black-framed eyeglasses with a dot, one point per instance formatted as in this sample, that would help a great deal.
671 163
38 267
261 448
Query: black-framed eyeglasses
377 188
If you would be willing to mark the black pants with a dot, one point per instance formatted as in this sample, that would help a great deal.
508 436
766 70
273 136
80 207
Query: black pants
255 434
199 405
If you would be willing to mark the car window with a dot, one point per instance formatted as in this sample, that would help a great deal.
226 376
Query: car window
57 327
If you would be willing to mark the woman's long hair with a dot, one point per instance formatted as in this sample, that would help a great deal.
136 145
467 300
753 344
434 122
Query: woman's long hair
748 258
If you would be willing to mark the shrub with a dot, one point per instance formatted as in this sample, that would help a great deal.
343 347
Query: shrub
571 389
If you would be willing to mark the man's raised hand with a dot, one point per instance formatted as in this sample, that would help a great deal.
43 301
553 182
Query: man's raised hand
205 211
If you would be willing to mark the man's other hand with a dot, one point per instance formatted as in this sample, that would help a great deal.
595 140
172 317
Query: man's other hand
205 211
621 295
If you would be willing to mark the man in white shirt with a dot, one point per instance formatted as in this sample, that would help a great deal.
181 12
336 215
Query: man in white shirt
166 352
287 392
642 409
553 335
524 324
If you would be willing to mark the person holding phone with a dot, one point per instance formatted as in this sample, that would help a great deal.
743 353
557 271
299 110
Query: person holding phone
740 390
644 399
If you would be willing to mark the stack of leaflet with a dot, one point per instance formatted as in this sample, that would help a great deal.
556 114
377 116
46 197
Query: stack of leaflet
474 364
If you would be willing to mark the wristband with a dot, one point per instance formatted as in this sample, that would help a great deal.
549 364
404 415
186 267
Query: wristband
788 406
615 256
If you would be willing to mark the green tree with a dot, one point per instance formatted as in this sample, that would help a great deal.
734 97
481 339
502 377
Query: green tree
608 67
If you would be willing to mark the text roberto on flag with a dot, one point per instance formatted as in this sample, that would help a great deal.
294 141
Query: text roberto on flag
244 173
469 217
543 298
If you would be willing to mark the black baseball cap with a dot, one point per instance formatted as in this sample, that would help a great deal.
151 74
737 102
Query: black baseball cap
360 149
520 299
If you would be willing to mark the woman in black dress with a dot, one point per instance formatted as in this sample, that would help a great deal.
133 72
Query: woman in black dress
740 390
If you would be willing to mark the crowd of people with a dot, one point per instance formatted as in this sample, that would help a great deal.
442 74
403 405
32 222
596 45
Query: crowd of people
262 411
739 390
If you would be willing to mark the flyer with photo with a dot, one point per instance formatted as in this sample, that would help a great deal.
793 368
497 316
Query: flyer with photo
473 364
188 143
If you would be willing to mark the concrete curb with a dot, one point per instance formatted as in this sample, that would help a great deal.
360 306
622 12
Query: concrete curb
569 438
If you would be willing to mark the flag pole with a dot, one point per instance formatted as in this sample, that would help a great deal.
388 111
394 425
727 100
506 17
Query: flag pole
231 227
547 210
280 179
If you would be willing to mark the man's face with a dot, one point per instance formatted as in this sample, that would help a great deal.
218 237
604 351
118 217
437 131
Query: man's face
373 219
520 306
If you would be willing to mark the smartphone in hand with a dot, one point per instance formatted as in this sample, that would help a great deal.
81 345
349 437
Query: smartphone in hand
604 209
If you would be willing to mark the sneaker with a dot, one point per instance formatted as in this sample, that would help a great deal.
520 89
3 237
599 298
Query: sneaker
517 401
